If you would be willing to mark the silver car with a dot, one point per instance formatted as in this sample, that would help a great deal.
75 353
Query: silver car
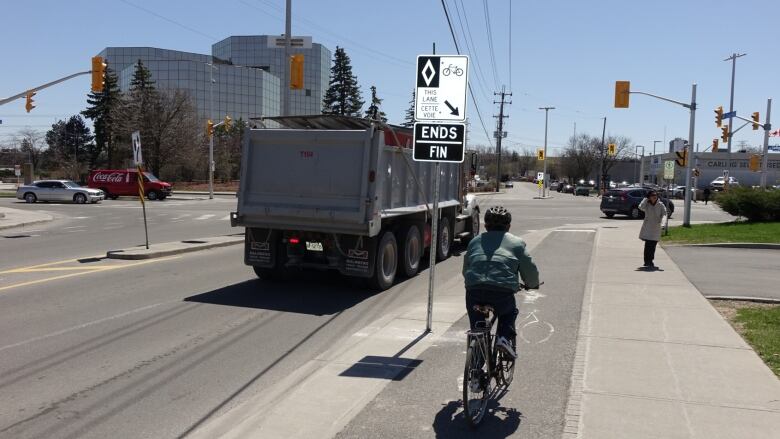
58 190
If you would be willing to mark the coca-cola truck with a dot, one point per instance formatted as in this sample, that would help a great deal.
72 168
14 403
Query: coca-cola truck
124 182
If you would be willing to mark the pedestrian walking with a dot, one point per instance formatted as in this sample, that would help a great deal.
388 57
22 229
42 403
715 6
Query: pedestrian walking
654 211
706 195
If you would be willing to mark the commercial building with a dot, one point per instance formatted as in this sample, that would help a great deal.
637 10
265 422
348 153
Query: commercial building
712 165
246 72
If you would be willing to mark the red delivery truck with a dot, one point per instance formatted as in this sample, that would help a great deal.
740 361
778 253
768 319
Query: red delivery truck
124 182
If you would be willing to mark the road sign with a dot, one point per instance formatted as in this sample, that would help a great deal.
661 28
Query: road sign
137 156
441 87
540 176
669 170
439 142
18 170
730 114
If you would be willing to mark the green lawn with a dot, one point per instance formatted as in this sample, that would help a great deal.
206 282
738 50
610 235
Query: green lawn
724 232
761 328
7 194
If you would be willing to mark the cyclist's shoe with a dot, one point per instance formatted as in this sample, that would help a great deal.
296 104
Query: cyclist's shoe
506 346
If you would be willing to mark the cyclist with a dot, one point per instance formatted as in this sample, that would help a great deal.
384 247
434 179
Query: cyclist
490 269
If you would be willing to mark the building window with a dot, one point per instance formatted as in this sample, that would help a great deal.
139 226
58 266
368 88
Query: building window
308 92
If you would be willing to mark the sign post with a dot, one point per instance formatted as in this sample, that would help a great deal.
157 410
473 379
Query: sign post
18 173
138 161
439 131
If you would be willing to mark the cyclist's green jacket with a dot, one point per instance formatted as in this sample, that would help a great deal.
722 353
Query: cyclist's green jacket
493 261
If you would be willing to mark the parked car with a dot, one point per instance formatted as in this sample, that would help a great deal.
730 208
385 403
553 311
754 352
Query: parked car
717 184
554 185
509 184
582 190
567 189
119 182
677 192
58 190
625 201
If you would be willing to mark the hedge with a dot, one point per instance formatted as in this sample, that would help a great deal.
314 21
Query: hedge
752 204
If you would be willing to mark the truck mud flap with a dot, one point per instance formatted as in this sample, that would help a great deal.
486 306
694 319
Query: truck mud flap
261 247
359 254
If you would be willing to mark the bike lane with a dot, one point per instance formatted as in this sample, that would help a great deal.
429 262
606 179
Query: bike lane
426 401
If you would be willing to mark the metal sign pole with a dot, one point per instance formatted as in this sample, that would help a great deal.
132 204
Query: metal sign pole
434 245
689 160
143 203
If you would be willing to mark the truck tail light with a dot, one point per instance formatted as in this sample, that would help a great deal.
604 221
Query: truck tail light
294 241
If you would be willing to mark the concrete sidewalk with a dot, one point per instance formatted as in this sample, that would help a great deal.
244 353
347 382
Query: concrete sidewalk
19 218
655 360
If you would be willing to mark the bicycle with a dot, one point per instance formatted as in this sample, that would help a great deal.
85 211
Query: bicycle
452 69
484 363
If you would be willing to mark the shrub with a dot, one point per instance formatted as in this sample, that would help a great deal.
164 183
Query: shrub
753 204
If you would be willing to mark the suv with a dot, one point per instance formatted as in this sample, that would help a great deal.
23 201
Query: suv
717 184
626 202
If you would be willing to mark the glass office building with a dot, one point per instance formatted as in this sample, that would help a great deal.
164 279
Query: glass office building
246 71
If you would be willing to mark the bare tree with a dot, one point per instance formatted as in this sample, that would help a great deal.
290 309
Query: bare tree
32 144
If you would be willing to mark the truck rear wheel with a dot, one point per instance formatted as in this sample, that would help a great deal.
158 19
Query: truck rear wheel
386 264
411 250
444 238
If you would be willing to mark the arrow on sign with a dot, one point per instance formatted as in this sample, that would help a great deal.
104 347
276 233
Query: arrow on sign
454 111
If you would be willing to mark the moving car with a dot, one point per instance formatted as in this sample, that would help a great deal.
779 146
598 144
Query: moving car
626 201
509 184
58 190
717 184
117 182
677 192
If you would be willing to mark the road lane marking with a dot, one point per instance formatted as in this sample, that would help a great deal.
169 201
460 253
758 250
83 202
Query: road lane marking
204 217
81 326
43 270
225 218
64 276
48 264
74 227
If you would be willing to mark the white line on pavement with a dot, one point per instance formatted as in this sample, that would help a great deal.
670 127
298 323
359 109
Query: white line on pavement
204 217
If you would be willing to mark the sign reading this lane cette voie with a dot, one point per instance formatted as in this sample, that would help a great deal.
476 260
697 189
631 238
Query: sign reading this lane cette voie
439 142
441 88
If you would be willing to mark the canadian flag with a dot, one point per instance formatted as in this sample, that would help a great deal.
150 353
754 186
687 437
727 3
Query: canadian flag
775 133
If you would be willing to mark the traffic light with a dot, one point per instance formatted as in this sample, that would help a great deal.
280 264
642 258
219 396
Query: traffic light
682 158
696 173
209 128
296 72
540 154
724 134
622 90
98 74
755 120
612 149
754 163
228 123
719 116
714 145
29 105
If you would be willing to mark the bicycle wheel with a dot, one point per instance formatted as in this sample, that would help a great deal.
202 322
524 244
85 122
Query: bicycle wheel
506 369
476 384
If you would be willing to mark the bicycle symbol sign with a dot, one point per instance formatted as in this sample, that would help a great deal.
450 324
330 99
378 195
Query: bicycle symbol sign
442 83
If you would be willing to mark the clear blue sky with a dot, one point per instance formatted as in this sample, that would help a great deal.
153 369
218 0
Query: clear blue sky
565 54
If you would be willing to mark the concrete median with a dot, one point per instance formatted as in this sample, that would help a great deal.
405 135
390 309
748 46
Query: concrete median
174 248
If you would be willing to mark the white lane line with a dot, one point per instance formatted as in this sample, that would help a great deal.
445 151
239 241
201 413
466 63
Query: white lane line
225 218
74 227
576 230
81 326
181 217
204 217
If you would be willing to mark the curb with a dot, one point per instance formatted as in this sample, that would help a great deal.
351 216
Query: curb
174 248
747 245
184 193
745 299
28 223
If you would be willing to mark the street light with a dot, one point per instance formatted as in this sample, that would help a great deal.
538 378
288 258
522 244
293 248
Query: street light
641 163
654 142
544 165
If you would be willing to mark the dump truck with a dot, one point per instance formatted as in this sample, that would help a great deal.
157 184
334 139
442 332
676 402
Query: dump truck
342 193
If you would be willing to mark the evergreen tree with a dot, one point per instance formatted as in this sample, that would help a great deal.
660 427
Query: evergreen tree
409 115
69 142
373 112
343 94
103 107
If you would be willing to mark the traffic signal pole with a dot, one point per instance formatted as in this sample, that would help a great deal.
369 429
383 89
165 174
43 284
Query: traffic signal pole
765 159
689 159
41 87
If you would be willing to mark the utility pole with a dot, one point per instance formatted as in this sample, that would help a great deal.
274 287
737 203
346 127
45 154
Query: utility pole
286 60
689 158
544 163
767 127
601 162
500 133
733 59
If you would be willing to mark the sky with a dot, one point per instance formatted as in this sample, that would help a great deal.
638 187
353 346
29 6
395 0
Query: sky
564 53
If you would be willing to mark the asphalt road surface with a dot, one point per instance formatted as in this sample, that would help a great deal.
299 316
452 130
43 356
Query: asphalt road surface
95 348
730 272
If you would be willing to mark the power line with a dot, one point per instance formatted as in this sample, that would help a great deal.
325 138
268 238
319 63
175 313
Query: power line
490 42
472 51
471 91
183 26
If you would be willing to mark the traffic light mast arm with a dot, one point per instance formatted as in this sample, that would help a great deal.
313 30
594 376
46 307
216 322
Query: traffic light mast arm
750 122
662 98
47 85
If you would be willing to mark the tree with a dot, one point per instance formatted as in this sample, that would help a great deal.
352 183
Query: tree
103 111
227 145
580 157
409 115
70 145
373 112
343 94
31 145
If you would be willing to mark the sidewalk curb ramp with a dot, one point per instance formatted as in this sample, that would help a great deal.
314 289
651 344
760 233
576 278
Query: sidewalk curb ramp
174 248
748 245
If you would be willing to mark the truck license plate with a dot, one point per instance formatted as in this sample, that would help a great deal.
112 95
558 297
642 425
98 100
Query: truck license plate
314 246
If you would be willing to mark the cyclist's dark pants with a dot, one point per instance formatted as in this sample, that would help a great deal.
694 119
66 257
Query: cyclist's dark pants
504 305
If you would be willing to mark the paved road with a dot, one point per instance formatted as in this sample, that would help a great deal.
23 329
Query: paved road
91 229
730 271
105 348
